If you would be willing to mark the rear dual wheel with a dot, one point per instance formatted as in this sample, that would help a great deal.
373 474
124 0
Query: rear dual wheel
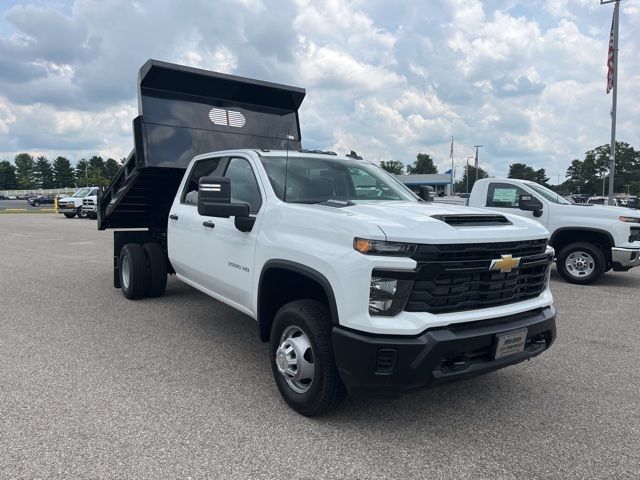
143 270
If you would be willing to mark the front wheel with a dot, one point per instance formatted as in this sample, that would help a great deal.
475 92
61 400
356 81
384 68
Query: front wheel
69 215
81 213
581 263
302 358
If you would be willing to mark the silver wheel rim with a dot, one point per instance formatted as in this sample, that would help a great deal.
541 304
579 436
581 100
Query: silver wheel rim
580 264
125 267
295 360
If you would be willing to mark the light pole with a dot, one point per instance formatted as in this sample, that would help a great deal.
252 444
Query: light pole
468 173
612 83
477 162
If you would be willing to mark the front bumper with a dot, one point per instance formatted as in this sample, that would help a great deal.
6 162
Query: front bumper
66 209
623 259
384 365
90 208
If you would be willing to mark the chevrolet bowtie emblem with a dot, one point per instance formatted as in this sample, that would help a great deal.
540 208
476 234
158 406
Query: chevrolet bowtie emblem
505 264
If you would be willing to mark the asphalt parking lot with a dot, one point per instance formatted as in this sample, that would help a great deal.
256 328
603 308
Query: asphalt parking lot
22 206
95 386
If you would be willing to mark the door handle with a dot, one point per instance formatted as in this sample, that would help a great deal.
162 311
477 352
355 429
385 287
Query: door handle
208 224
173 216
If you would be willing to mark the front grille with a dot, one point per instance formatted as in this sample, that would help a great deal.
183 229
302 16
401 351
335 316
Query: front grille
635 235
464 281
87 202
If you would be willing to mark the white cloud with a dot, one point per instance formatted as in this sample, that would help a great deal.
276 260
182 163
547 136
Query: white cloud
525 79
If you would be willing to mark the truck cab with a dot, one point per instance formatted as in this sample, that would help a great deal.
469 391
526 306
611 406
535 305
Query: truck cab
588 239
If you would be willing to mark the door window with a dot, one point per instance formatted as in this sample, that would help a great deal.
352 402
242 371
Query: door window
504 195
202 168
244 186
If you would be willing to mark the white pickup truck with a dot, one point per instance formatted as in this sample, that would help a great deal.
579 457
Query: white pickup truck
588 239
357 284
72 206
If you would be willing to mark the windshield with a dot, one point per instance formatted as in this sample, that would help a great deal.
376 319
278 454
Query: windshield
315 180
549 194
81 193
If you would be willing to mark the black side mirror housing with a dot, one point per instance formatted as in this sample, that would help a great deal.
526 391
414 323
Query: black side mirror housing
529 203
214 200
426 193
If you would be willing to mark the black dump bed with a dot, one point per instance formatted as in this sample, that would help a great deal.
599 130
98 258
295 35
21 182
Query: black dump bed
184 112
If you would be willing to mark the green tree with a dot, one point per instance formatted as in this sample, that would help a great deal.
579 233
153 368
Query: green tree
521 171
43 173
63 173
461 185
392 166
24 170
97 171
423 164
8 179
111 167
82 173
588 175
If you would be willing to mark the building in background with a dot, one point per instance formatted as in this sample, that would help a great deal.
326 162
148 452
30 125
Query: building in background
441 183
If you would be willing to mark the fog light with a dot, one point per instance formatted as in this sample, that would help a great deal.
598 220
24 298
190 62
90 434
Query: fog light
387 296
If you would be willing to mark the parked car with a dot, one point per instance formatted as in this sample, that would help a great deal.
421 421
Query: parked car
90 206
589 239
600 200
2 196
72 206
42 200
11 197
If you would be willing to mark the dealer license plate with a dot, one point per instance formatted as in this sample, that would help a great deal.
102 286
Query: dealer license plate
510 343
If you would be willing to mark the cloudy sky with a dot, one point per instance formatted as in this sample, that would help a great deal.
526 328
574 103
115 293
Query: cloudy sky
388 79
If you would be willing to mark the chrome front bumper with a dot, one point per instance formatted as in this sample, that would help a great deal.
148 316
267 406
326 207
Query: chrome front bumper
625 258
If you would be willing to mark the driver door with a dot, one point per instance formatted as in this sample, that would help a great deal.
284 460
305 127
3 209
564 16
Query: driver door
505 197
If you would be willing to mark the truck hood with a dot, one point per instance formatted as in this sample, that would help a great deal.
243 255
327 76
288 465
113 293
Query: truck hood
415 222
603 211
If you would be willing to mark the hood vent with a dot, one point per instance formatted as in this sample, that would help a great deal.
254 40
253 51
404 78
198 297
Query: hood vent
473 220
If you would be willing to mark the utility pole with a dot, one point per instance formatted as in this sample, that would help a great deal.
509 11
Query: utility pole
468 173
477 161
612 82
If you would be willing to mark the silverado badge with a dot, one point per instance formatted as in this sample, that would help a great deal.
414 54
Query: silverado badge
505 264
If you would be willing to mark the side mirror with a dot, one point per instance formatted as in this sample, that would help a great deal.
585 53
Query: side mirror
214 200
426 193
529 203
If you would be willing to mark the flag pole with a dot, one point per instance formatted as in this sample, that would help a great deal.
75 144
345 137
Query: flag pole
612 64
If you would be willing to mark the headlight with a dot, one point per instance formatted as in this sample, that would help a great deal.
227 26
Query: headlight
388 296
381 247
629 219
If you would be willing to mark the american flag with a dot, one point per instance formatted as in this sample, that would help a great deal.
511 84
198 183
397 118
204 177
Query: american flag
610 58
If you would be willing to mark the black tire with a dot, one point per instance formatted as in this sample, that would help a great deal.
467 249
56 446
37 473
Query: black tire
36 204
157 264
69 215
326 389
596 266
133 271
80 213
